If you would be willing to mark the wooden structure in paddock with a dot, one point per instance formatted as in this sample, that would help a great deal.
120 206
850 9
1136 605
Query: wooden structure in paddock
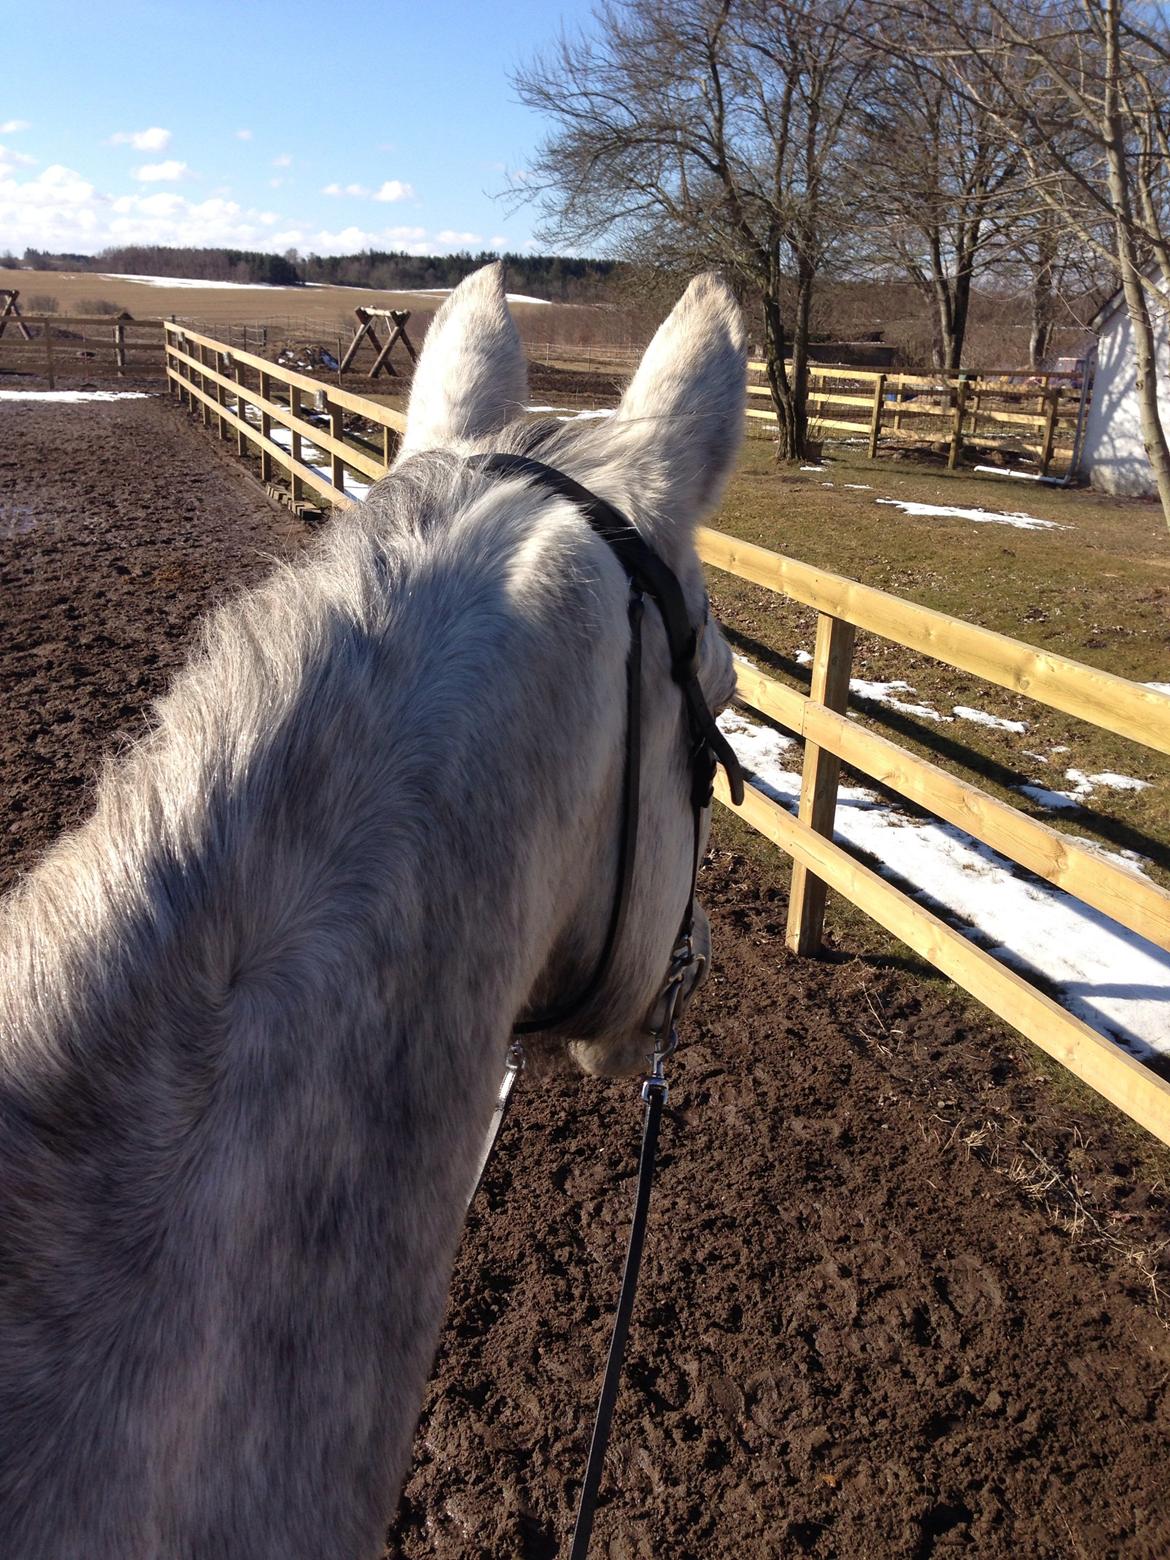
10 313
64 346
367 330
998 409
211 378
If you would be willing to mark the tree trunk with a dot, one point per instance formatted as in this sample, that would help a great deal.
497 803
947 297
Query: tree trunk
1145 346
790 433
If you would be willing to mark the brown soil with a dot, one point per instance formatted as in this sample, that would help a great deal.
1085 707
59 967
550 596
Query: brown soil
897 1297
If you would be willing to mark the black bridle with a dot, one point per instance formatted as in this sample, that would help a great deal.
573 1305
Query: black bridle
706 748
706 745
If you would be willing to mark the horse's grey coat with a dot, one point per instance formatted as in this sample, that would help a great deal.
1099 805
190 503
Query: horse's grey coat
253 1013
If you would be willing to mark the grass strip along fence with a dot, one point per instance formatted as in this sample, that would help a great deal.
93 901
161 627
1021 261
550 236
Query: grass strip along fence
988 409
207 373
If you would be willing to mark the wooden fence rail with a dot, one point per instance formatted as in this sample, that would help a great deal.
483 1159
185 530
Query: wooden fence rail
215 379
950 409
1113 703
240 392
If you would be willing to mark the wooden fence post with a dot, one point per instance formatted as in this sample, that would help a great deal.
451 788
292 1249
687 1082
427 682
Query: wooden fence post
832 663
957 433
49 370
1052 411
241 411
223 365
337 429
294 406
389 444
265 427
875 424
204 409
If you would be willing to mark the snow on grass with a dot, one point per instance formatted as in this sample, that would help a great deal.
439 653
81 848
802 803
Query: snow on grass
602 411
546 408
190 281
814 468
982 718
1158 687
883 693
859 487
1110 978
441 292
1083 786
74 395
1022 522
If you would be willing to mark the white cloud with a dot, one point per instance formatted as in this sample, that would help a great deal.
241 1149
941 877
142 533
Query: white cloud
449 236
345 189
243 135
156 139
162 173
283 161
277 184
395 189
14 126
498 241
20 159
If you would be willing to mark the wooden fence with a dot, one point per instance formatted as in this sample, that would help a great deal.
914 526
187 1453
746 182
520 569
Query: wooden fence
217 381
264 405
68 346
1128 709
996 409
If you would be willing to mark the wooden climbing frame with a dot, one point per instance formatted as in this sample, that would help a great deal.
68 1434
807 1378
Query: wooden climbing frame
367 326
10 312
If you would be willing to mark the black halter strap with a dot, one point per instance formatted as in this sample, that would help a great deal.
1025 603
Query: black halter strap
707 745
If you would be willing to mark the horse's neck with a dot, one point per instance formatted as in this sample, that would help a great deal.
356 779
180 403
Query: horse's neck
260 1004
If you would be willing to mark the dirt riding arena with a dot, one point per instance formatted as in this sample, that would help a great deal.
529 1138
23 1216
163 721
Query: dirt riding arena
900 1295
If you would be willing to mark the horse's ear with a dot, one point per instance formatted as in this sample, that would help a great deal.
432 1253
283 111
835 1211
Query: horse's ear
684 410
471 377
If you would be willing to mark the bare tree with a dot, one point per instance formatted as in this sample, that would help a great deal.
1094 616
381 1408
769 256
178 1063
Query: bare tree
1081 88
939 182
698 132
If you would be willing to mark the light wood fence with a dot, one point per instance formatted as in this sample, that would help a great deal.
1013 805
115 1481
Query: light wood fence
1125 708
69 346
218 381
995 409
293 422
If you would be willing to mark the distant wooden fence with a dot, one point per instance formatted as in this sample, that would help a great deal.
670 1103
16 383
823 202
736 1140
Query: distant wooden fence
238 393
997 409
241 393
1125 708
67 346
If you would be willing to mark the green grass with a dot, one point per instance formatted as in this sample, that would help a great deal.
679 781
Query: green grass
1098 590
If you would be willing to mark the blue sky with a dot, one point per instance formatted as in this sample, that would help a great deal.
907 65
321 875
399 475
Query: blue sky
268 124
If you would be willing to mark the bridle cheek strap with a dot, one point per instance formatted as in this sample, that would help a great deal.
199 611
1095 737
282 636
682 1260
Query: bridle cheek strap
706 745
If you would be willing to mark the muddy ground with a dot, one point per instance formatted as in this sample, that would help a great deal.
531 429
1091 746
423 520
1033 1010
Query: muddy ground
899 1296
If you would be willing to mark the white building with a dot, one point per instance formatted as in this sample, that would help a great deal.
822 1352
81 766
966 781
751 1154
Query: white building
1112 455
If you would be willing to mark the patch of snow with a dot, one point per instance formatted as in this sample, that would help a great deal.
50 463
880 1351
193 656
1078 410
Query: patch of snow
1110 978
982 718
1110 781
546 408
803 658
441 292
883 693
193 281
858 487
1158 687
604 411
1043 797
1021 521
814 468
75 395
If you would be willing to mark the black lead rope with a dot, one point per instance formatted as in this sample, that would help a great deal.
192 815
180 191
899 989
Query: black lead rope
654 1092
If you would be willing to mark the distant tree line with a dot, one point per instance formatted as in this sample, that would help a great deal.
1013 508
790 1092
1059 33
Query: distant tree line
559 278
